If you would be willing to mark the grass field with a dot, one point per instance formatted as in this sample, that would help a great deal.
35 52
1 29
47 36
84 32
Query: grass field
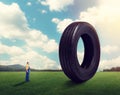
56 83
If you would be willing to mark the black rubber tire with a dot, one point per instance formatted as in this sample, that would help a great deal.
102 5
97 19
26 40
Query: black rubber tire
68 51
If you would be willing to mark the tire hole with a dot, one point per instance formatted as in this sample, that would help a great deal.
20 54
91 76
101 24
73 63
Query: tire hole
80 51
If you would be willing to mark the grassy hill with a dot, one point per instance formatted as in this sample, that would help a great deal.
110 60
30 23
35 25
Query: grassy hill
56 83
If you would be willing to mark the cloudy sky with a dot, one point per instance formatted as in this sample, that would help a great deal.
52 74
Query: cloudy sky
30 30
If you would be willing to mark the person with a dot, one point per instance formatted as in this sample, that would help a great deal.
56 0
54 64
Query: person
27 72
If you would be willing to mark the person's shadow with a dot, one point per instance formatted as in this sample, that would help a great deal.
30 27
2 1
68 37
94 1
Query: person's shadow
20 83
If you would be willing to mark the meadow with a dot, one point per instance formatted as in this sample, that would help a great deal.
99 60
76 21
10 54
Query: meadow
56 83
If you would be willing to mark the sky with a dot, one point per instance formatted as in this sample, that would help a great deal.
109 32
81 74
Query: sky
30 30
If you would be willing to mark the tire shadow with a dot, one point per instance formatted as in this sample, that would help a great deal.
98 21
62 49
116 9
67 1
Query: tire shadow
72 84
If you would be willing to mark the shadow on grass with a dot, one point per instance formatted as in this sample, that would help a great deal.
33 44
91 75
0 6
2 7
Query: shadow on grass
72 84
20 83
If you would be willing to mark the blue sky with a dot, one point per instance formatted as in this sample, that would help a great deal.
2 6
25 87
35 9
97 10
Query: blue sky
31 30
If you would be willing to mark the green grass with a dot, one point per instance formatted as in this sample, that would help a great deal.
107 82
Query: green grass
56 83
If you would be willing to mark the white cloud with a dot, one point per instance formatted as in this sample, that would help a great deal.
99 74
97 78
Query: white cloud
56 20
10 50
50 46
36 39
62 24
108 64
106 19
55 5
43 11
110 49
15 26
20 56
36 60
12 25
80 57
29 3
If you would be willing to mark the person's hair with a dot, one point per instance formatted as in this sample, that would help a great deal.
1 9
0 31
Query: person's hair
27 62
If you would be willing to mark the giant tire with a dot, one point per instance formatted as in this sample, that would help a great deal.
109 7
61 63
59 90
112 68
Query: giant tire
68 51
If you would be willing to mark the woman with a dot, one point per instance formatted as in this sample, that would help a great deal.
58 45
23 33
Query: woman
27 72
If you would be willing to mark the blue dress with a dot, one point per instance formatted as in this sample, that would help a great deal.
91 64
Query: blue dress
27 75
